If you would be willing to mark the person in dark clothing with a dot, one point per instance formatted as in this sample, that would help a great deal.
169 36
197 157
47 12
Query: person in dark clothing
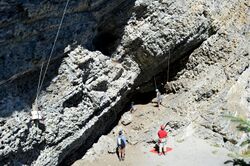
121 145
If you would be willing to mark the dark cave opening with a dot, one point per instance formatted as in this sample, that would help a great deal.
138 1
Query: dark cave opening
110 29
105 42
143 98
145 93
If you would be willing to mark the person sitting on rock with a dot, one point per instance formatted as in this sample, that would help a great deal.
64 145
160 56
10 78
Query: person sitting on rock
162 140
121 144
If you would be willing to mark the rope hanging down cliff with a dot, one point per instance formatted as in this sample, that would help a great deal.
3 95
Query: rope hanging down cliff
168 68
41 80
42 75
159 97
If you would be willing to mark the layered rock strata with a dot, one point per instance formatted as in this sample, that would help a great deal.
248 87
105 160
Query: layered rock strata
119 46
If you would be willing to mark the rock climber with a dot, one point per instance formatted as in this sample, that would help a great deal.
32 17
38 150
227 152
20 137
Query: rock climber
158 97
162 140
121 145
37 116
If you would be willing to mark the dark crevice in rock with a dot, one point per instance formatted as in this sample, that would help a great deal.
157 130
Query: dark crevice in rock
105 42
206 95
59 141
96 113
101 86
143 98
159 80
146 91
248 99
74 100
111 28
141 12
102 127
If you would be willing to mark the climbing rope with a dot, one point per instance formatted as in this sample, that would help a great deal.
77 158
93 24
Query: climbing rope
168 65
42 77
169 56
39 82
155 83
35 113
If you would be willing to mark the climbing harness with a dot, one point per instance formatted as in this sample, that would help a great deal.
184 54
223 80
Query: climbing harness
36 113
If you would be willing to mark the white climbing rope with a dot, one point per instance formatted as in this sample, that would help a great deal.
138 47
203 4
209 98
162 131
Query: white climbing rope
39 82
36 114
42 77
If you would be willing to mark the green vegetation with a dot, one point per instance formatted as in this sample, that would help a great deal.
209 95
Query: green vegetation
244 124
215 145
246 154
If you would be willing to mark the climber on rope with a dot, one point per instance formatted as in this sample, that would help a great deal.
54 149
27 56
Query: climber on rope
121 145
36 115
162 140
158 98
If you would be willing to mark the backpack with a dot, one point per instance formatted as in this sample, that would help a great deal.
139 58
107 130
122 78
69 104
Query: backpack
121 142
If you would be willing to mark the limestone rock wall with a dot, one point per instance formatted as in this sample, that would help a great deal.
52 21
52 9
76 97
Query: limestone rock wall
28 30
105 51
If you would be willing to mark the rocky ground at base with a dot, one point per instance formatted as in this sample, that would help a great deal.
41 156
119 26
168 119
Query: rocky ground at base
192 143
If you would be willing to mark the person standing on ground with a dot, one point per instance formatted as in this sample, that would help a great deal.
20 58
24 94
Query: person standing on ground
158 97
132 107
121 145
162 141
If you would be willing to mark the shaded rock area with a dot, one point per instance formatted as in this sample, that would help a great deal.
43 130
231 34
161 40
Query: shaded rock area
106 51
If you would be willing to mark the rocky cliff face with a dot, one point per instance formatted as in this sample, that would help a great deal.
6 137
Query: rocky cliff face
105 50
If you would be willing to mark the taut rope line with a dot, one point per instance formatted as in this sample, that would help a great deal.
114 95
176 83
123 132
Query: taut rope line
39 82
41 78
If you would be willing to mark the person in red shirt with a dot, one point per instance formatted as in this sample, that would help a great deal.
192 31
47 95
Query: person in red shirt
162 141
